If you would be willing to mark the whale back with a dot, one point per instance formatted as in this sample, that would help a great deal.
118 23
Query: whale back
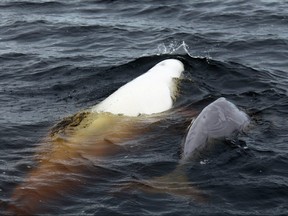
150 93
220 119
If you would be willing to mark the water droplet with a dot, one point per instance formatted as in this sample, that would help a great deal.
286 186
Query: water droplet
203 162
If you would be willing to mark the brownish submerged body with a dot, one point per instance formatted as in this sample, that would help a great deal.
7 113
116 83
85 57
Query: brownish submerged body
63 159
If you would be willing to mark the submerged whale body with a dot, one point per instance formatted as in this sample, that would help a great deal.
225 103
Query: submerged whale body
95 132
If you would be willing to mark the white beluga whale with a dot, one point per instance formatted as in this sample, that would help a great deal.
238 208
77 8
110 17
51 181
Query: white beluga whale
97 131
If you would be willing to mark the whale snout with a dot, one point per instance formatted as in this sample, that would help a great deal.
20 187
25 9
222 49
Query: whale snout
173 67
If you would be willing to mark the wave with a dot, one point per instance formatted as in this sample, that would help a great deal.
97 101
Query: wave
27 5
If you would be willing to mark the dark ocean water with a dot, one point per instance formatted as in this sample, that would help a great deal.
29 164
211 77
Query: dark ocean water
59 57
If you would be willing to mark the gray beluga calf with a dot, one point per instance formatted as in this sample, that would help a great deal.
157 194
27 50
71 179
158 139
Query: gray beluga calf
220 119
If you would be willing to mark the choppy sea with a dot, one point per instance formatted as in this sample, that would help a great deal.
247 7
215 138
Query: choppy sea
60 57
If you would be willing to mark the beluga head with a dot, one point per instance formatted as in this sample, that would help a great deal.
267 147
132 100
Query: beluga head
150 93
167 69
220 119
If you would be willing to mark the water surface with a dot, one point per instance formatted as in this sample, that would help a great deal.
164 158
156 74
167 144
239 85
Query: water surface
58 58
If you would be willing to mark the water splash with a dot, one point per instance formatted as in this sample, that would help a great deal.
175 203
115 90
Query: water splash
204 162
173 48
